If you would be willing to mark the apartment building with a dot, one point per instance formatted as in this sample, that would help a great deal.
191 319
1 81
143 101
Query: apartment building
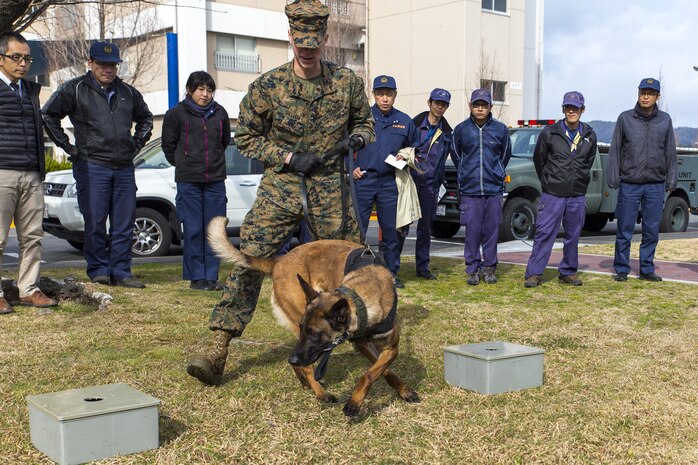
456 44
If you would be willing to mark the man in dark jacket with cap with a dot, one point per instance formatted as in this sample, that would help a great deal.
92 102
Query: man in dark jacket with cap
102 109
563 157
434 139
642 164
298 119
22 168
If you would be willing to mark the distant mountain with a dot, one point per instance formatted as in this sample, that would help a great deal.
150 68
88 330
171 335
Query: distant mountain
685 137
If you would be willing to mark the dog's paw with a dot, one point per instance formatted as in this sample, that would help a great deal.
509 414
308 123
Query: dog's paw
329 399
351 409
412 397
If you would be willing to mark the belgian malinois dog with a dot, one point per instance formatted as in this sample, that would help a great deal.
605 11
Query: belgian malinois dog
314 298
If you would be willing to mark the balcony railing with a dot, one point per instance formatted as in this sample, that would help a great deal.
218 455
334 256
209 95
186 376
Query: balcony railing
228 61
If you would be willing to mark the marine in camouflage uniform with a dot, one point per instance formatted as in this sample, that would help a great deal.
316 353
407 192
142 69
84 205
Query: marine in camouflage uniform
283 116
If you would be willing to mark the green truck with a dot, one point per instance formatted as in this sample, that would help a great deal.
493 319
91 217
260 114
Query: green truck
522 192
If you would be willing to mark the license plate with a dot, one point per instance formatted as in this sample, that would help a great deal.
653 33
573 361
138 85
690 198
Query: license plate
45 211
441 210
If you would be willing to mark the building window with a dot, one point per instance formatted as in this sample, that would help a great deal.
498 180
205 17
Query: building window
338 7
496 88
495 5
235 53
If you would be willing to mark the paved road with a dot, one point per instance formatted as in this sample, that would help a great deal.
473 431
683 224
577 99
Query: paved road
58 253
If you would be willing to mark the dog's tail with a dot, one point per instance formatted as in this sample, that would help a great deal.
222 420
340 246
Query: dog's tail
218 240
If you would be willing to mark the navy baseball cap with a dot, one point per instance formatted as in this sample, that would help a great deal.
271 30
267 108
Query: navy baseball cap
649 83
384 82
481 94
574 98
105 51
441 95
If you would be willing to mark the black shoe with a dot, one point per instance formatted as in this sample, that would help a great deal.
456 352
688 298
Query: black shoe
128 282
198 284
397 283
620 277
212 285
427 275
651 276
101 279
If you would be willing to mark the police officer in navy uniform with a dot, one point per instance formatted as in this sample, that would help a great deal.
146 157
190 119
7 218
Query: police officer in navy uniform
434 147
375 179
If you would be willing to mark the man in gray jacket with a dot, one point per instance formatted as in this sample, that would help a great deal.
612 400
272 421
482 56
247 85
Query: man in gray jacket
642 165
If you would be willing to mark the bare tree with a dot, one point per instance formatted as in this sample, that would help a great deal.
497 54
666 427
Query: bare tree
488 76
345 27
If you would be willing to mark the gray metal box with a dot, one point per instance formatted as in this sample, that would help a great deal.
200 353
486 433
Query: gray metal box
82 425
493 367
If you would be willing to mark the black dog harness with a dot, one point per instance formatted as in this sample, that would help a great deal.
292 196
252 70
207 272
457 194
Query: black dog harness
358 259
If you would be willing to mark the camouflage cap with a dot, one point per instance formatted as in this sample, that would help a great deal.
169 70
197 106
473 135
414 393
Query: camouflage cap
307 20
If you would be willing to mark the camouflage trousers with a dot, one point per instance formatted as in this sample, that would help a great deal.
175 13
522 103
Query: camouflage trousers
267 226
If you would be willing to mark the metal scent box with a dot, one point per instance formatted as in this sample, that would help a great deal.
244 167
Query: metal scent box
82 425
493 367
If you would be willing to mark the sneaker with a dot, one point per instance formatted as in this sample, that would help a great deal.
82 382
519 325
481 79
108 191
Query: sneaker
488 275
101 279
129 282
426 275
651 276
5 307
572 280
38 299
534 280
212 285
397 283
474 279
620 277
198 284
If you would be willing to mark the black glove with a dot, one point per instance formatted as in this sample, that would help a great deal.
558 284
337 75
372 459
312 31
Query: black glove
304 162
354 142
72 151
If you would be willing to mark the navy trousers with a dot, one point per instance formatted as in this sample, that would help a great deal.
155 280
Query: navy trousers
427 203
481 216
552 210
382 191
197 204
648 199
106 193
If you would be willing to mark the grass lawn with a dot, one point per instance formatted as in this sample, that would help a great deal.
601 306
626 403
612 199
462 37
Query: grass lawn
621 375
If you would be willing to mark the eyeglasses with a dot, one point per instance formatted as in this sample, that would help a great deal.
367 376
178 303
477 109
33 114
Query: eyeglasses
650 92
571 109
481 104
18 58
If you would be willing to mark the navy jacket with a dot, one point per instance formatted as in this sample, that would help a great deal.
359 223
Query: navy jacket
102 130
440 148
394 131
562 174
643 149
12 132
196 147
481 155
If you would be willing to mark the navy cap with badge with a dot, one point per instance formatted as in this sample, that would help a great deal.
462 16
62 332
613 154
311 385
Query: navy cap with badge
441 95
384 82
574 98
481 94
649 83
105 51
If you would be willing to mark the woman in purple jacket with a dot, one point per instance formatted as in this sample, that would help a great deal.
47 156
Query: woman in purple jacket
195 134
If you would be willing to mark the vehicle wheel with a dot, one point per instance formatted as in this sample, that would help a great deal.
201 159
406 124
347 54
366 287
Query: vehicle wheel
594 223
444 229
518 220
152 235
76 245
674 216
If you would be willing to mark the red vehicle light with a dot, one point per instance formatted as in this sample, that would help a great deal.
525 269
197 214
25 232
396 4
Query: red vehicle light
528 123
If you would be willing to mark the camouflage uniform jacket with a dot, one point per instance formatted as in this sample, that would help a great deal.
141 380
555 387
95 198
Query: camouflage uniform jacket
279 115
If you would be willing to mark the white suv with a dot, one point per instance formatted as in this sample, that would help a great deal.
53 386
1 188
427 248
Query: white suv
156 227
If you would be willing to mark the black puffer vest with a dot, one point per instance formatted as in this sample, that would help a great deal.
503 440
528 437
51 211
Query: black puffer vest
19 146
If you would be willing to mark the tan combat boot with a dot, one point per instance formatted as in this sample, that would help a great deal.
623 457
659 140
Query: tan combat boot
209 368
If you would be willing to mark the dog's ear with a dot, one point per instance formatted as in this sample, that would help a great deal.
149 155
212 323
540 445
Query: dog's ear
310 293
338 315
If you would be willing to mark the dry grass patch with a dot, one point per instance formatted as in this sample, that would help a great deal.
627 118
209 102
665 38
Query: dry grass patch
620 376
677 250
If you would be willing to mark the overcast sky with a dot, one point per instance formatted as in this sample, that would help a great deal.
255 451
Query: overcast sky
603 48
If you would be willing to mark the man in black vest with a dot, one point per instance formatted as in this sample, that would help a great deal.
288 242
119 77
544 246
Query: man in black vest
102 109
21 168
